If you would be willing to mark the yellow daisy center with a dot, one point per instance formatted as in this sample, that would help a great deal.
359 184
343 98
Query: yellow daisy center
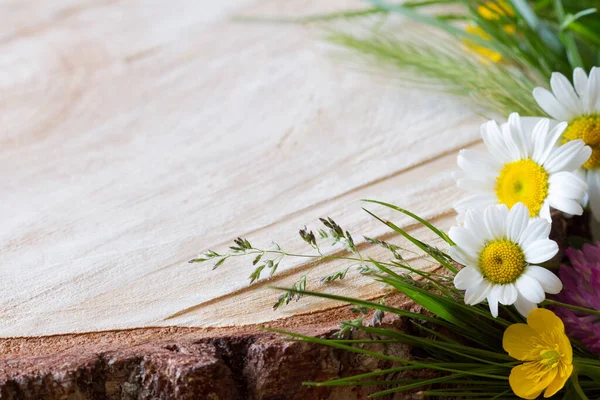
586 128
522 181
502 261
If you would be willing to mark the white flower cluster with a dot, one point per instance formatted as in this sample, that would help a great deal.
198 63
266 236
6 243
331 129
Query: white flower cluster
532 165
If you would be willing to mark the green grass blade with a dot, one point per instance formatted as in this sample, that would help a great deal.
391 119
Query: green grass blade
365 303
569 306
431 21
418 384
416 242
429 301
435 230
475 371
307 19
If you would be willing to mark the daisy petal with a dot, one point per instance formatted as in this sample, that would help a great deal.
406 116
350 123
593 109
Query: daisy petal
512 140
538 137
494 141
536 230
550 105
545 211
565 93
477 162
518 219
549 139
476 201
476 294
508 295
594 90
550 282
476 186
568 206
467 277
523 306
580 80
474 223
582 174
568 157
569 185
495 220
465 239
530 289
492 299
593 181
461 256
540 251
521 141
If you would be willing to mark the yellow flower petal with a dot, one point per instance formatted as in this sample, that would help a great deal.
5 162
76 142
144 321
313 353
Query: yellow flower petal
523 380
565 348
559 381
510 29
542 321
518 342
477 31
492 10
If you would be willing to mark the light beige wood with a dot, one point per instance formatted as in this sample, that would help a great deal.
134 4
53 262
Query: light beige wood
136 134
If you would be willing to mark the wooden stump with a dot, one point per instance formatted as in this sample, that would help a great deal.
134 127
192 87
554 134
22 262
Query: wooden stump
137 134
177 362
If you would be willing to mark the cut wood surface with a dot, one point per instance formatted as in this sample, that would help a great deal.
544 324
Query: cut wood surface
136 134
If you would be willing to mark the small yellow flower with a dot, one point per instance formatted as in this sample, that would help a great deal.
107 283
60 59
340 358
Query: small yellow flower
486 55
492 11
546 350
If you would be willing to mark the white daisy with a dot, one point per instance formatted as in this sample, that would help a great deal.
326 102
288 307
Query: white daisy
500 250
579 106
523 165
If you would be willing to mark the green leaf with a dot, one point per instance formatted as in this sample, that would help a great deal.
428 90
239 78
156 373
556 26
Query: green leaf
575 391
590 371
567 38
538 26
570 18
431 304
219 263
432 21
365 303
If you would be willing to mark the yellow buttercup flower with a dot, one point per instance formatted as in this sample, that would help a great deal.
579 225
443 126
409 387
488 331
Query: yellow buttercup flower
486 54
492 11
546 350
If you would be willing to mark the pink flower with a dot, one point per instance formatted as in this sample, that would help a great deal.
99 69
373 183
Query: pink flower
581 287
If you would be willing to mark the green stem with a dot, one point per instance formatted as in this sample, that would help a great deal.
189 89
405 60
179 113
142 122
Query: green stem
586 361
569 306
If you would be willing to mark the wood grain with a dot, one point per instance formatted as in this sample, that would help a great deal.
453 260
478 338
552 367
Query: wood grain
136 134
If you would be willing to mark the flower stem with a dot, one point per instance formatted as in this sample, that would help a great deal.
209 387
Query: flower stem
576 308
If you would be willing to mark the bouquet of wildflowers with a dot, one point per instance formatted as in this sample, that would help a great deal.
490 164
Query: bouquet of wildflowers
499 322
